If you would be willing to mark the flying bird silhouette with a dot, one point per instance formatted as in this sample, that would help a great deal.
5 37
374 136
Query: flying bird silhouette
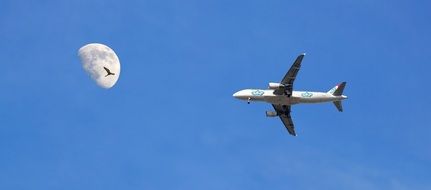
108 72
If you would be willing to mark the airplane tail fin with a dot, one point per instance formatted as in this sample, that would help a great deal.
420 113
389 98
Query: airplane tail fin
338 90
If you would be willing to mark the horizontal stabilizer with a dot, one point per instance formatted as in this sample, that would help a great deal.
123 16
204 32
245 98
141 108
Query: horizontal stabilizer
338 105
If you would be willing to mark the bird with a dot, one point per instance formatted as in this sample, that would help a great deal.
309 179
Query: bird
108 72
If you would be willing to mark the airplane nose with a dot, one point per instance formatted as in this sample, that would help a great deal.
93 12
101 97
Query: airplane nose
238 95
235 95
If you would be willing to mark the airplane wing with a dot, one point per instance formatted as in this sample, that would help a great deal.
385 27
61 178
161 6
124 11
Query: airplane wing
289 78
284 113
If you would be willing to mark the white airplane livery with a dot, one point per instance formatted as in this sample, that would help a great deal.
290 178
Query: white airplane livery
282 96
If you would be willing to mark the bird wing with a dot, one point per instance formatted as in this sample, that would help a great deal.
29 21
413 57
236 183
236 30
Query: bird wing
107 70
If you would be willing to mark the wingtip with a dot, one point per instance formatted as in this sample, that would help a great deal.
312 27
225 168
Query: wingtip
303 54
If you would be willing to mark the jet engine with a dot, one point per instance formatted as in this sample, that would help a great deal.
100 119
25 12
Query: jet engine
271 114
274 85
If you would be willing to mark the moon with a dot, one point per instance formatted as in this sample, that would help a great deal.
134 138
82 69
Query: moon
101 63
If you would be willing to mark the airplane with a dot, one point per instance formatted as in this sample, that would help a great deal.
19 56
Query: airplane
282 96
108 72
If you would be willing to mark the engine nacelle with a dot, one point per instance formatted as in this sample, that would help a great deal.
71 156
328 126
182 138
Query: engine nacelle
271 114
275 85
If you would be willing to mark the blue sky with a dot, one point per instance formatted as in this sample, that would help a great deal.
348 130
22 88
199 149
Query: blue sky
171 122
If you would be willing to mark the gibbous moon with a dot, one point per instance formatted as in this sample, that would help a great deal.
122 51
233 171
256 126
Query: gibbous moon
101 63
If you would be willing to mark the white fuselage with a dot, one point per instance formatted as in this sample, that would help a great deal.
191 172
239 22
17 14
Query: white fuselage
297 97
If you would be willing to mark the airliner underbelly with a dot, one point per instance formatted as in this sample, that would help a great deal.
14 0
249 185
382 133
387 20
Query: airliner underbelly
281 100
